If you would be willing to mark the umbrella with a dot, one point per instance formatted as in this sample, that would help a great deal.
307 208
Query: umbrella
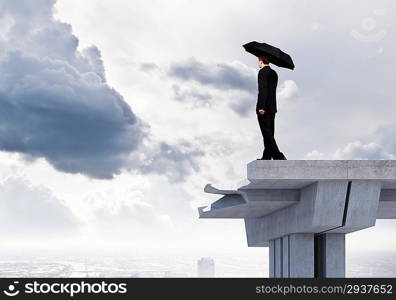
274 55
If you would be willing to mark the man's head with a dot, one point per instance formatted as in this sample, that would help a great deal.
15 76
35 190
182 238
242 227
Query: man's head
262 61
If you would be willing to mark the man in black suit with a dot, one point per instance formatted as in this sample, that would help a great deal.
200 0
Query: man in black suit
266 108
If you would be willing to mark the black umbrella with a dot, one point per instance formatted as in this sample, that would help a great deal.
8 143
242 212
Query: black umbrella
274 55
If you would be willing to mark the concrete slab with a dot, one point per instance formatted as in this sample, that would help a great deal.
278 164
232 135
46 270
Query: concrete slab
297 169
249 204
298 173
276 185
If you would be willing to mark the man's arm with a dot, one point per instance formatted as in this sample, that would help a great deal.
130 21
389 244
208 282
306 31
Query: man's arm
262 89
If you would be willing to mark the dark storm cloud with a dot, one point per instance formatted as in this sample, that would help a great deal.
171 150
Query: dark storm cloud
221 76
56 103
73 119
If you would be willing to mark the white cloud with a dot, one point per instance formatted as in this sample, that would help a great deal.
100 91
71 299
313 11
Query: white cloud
287 92
315 155
125 214
32 212
359 150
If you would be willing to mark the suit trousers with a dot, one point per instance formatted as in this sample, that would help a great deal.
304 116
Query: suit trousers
267 127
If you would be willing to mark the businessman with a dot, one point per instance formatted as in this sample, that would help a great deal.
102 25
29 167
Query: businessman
266 109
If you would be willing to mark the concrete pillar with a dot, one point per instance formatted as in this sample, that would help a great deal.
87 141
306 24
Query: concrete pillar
285 253
330 255
278 257
292 256
301 253
271 259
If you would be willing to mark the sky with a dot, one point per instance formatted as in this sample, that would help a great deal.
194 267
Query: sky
115 114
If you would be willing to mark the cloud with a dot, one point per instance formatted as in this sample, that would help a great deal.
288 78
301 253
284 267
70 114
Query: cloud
242 105
192 95
55 100
33 211
175 161
57 105
287 91
72 119
381 146
378 145
314 155
218 144
359 150
148 66
223 76
120 213
385 135
233 83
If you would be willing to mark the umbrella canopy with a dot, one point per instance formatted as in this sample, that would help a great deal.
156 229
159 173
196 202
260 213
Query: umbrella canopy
274 55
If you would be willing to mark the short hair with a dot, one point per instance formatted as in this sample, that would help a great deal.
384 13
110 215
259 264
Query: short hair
264 59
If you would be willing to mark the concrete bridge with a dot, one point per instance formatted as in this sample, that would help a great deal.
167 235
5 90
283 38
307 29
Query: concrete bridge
302 209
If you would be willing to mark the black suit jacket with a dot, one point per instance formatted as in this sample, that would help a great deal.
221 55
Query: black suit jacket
267 83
